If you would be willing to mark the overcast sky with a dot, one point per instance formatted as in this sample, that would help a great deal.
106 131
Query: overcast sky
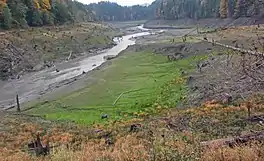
121 2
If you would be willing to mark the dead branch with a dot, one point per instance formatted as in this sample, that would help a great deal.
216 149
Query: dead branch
69 57
114 103
241 50
235 141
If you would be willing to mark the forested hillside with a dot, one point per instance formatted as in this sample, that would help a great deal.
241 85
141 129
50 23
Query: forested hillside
23 13
196 9
178 9
108 11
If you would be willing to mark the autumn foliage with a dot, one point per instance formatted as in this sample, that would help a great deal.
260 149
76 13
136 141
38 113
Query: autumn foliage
24 13
36 4
45 5
223 8
2 3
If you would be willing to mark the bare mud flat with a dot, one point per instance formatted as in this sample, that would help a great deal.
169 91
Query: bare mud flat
205 23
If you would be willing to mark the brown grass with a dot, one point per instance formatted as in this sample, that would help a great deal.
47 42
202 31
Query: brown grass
244 153
173 135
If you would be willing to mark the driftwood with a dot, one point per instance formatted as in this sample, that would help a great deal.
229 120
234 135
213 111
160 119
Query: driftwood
38 148
232 142
235 48
69 57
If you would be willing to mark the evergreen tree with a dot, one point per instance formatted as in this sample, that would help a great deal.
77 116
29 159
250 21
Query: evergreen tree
36 18
29 14
47 18
7 18
18 10
61 13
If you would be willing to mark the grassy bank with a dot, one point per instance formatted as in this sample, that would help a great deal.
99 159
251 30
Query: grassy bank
144 82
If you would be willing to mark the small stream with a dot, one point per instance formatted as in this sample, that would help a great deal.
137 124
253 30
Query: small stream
33 85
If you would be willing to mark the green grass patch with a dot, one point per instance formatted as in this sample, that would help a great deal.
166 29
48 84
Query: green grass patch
145 79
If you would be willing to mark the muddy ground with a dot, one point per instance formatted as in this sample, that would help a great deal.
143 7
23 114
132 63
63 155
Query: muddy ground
247 37
34 49
49 68
203 23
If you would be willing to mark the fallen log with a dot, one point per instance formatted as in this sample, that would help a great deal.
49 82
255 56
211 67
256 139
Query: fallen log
251 52
235 141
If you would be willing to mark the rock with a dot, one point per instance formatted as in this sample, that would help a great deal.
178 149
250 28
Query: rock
190 78
94 65
134 127
194 88
175 56
57 70
83 72
108 141
178 56
109 57
39 67
104 116
227 99
18 77
258 119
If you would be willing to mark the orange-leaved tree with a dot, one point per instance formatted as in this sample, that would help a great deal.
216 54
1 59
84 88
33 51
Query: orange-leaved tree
223 8
45 5
2 4
36 4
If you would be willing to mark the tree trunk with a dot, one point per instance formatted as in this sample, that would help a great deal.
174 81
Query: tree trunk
18 104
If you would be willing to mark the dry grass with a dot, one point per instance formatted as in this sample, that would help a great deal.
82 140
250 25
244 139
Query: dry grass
125 148
244 153
173 135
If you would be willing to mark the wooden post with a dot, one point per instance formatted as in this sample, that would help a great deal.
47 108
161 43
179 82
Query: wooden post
248 104
18 105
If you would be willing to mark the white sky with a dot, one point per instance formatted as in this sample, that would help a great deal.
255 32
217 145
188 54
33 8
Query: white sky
120 2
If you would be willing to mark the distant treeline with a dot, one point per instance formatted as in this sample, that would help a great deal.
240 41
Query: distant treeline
179 9
108 11
196 9
23 13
